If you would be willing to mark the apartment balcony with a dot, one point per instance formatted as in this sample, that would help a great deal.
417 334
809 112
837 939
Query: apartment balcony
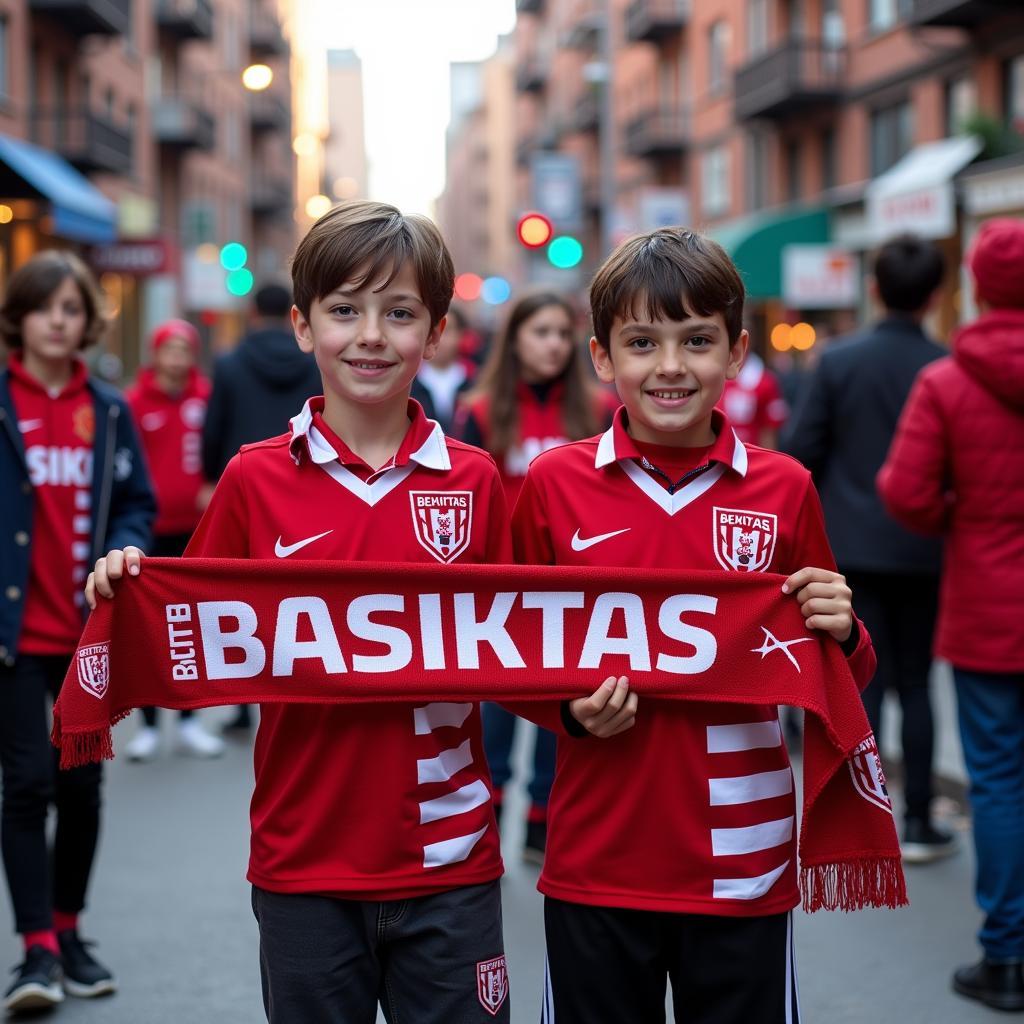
268 113
531 75
796 77
185 19
661 131
270 195
87 17
651 21
85 139
586 115
584 25
960 13
179 124
266 37
529 6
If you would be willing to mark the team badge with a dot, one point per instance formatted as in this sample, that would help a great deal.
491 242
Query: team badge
744 541
94 668
868 777
492 984
83 422
442 521
193 412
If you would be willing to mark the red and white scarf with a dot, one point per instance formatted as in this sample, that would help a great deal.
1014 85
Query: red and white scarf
199 632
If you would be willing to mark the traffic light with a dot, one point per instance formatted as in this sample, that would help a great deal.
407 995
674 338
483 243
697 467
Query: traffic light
233 256
565 252
534 230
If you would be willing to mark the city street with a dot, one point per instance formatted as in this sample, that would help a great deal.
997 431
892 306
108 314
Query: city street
170 907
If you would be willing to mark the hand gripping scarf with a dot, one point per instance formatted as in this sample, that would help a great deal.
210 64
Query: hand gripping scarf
199 632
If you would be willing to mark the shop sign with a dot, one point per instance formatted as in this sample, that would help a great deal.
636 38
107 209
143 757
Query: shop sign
929 212
135 259
819 277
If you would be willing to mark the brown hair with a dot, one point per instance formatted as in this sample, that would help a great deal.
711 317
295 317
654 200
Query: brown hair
370 239
35 281
499 380
675 273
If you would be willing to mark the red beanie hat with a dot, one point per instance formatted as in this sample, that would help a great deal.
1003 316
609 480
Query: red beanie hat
996 260
175 329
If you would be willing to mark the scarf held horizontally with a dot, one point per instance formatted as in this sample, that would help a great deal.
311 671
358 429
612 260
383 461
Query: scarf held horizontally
200 632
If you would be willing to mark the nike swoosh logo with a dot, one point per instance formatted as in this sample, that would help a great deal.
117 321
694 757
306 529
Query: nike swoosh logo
581 544
26 425
284 550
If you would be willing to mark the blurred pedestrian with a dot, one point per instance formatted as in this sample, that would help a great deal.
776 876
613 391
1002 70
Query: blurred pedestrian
444 378
256 390
956 469
754 404
168 402
534 394
841 430
75 484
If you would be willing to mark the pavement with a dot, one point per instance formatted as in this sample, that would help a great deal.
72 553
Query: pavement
170 908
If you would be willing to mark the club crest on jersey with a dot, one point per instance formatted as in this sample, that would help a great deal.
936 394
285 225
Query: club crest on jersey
744 541
492 984
443 522
867 775
94 668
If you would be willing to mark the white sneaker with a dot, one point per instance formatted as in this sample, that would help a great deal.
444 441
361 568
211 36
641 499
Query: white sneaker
195 740
144 745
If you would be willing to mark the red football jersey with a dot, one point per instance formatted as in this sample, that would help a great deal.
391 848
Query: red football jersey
171 428
692 810
753 401
58 432
386 801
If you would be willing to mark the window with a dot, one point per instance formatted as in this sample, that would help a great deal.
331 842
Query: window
1014 101
828 158
961 102
757 27
4 57
715 172
884 14
718 56
756 171
892 135
793 175
198 224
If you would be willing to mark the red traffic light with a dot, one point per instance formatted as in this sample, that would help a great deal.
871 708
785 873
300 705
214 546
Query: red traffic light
534 230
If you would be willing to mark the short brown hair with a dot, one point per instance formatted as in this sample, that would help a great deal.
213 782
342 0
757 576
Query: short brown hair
35 281
675 273
369 239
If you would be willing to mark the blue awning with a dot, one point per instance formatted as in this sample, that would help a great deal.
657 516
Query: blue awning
80 211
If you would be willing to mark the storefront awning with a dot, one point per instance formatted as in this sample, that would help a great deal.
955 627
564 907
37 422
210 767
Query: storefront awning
916 193
755 244
80 211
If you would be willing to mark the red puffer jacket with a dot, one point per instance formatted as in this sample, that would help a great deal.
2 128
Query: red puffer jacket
956 467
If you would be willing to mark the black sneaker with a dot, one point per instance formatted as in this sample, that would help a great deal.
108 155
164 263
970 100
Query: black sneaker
84 976
999 985
37 986
922 842
536 841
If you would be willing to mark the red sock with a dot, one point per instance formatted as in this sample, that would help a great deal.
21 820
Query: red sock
64 922
47 939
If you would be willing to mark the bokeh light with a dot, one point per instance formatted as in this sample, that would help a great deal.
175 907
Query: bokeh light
534 230
257 77
565 252
781 337
233 256
240 282
802 336
317 206
467 287
495 290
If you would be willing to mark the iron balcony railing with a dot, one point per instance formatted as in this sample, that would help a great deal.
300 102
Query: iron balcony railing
796 76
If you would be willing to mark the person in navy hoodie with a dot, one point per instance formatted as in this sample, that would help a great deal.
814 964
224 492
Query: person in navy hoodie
75 484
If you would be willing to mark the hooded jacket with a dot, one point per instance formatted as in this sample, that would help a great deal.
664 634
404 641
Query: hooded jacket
956 468
257 389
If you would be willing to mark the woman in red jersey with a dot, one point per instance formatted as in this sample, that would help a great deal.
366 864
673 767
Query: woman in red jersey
535 393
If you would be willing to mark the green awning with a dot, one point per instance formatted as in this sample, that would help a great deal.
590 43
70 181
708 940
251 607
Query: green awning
755 244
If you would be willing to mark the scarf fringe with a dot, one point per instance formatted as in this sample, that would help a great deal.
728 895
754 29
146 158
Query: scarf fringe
81 748
854 885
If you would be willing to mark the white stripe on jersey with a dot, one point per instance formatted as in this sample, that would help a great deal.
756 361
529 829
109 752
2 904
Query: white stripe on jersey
733 842
81 524
748 888
728 739
440 716
80 550
459 802
83 500
445 765
743 789
451 851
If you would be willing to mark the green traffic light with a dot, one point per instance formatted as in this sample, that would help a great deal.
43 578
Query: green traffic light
239 282
233 256
565 252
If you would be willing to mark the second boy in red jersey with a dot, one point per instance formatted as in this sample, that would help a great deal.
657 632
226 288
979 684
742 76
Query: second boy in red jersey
672 848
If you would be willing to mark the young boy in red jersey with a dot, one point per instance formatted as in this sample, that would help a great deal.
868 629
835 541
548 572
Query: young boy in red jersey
672 847
374 856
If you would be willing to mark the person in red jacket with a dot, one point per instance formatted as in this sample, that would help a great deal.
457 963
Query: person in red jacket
534 394
956 469
168 404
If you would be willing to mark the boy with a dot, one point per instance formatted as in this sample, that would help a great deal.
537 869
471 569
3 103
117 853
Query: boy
374 857
672 847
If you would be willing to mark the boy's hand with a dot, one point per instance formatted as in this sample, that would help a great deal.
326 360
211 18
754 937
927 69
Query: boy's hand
609 710
825 600
109 568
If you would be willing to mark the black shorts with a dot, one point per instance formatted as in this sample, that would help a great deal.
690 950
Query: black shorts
607 965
